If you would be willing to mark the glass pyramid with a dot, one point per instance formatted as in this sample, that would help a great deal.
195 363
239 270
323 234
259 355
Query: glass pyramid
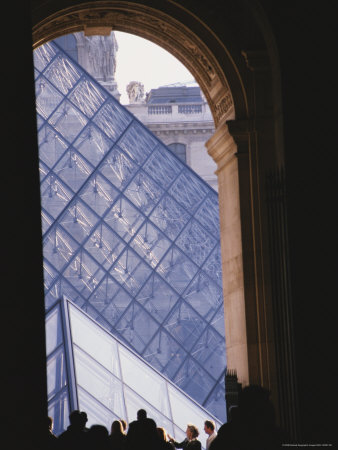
89 369
130 233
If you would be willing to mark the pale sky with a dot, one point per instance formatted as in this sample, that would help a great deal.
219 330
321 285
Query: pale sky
138 59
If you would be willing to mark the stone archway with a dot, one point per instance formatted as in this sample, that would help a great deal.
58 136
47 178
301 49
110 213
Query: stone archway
242 92
160 28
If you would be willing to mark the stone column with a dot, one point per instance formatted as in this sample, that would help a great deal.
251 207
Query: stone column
223 149
248 321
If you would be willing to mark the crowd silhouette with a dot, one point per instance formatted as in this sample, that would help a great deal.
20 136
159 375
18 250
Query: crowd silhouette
251 425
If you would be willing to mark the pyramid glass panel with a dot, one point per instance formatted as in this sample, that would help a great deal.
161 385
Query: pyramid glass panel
131 236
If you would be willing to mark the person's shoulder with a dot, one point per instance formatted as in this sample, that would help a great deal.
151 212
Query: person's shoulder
222 427
132 425
63 434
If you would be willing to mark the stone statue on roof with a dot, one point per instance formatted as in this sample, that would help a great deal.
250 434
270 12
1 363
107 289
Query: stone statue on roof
135 91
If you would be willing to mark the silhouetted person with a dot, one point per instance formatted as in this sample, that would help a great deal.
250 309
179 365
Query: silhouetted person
135 428
252 425
190 442
52 440
227 431
98 438
117 437
75 437
164 443
142 433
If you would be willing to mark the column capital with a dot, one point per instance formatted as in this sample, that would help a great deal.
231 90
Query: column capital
230 140
240 130
221 146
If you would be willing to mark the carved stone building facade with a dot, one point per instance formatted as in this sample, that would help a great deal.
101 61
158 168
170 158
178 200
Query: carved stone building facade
96 54
180 116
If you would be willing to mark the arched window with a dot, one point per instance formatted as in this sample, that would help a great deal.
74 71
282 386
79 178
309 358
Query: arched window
179 150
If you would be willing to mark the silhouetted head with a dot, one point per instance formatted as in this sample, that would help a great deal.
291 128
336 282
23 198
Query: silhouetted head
141 414
75 417
84 416
162 434
255 405
78 419
124 424
116 427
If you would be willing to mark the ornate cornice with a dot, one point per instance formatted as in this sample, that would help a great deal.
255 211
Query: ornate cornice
150 24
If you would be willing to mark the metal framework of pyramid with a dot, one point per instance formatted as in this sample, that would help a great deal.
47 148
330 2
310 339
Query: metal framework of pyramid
130 233
96 373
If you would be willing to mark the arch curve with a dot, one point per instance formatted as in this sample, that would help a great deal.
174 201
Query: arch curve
165 30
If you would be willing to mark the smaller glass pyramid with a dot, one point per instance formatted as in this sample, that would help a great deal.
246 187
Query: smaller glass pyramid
89 369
